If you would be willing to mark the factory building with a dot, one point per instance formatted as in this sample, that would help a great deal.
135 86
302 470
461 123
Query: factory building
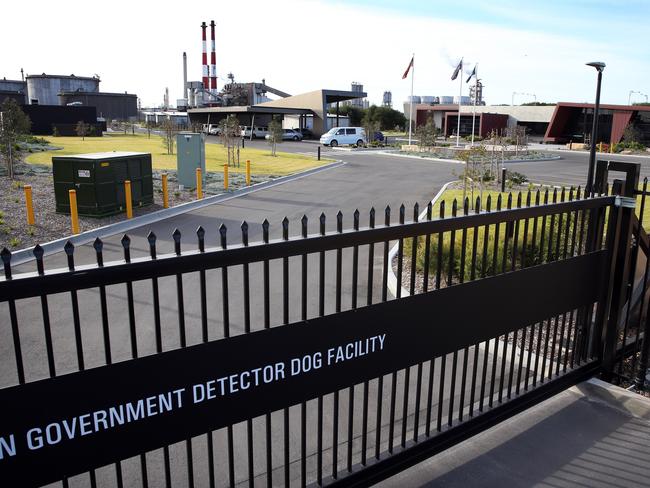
14 89
57 119
487 118
61 90
44 89
179 119
560 123
572 122
359 101
121 106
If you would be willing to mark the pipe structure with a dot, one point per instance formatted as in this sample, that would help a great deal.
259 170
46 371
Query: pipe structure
213 60
205 57
185 76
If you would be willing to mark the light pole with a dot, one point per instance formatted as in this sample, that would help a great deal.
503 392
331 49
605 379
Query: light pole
600 66
629 97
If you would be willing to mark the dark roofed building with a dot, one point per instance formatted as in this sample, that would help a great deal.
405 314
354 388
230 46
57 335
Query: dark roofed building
573 122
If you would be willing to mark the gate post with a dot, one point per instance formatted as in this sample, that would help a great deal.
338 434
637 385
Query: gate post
639 381
620 253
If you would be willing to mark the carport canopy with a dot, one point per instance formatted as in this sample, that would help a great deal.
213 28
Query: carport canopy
247 115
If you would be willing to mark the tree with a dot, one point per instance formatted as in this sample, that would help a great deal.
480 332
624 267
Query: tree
517 136
427 133
13 124
386 117
231 137
354 114
370 126
275 134
148 125
168 135
632 134
538 104
82 129
475 172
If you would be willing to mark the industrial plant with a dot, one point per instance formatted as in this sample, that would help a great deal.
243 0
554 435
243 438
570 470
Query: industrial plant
56 103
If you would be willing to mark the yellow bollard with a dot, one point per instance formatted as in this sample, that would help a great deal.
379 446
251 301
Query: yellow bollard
199 183
165 192
600 147
127 197
248 172
225 177
74 215
29 204
611 147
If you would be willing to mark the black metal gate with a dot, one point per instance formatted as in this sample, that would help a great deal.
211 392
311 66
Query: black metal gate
288 362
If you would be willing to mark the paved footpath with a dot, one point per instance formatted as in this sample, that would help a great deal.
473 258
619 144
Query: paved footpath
592 435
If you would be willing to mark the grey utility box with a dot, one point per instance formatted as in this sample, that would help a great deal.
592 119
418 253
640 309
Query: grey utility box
190 154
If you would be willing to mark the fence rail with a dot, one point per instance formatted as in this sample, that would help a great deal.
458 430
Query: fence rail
459 355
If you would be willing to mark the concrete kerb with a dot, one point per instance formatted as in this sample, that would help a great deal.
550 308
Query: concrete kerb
392 279
616 397
420 158
25 255
455 161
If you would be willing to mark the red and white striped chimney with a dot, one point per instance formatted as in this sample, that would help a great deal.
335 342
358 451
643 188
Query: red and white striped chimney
205 58
213 61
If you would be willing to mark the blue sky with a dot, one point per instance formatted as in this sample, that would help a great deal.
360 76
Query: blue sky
535 47
585 18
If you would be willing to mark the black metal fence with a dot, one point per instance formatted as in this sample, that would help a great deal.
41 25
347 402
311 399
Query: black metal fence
510 302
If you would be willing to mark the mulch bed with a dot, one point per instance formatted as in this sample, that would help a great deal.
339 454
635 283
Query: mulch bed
16 234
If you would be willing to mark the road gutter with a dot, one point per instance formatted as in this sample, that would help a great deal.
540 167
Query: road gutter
392 279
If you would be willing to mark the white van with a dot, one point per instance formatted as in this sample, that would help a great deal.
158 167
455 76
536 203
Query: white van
260 132
344 135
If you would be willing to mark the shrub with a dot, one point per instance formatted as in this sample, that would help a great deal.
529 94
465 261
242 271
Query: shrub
517 178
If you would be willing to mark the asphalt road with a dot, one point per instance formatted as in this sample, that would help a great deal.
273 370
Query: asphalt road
367 180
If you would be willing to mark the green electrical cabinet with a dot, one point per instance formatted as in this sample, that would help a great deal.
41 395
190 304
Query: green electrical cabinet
99 180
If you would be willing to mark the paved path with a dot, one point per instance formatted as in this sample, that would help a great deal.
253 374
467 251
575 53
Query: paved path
588 436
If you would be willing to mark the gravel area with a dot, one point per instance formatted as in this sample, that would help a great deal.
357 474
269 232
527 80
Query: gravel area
16 234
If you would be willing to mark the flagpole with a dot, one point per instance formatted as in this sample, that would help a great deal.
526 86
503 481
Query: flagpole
460 100
411 109
475 97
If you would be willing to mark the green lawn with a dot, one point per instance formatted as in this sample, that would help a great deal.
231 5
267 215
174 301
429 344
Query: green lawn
262 163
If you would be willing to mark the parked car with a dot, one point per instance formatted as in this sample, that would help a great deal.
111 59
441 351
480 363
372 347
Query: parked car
344 135
378 136
288 135
306 133
291 135
260 132
212 129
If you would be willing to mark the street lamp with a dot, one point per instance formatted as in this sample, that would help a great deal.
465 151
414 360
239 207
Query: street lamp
600 66
629 97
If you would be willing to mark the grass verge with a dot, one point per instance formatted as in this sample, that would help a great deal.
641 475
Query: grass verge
262 163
